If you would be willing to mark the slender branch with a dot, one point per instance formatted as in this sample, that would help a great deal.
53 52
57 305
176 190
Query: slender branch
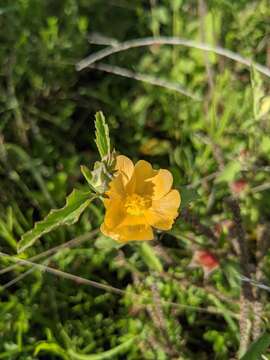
73 242
145 78
244 254
109 288
63 274
261 187
19 278
163 40
260 297
198 226
99 39
246 297
203 180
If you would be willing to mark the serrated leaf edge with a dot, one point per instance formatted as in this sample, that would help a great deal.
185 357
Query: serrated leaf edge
20 249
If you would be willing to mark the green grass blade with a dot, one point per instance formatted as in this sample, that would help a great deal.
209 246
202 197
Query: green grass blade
76 203
257 348
52 348
150 258
7 235
110 354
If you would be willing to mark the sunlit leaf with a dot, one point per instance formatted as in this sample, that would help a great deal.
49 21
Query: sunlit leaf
107 243
229 172
87 175
76 203
257 348
187 196
260 107
102 135
150 258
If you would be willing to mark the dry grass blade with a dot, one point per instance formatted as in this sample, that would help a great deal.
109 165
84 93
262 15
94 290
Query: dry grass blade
76 241
145 78
109 288
163 40
17 279
65 275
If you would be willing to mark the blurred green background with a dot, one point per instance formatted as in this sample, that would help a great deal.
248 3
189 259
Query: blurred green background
47 112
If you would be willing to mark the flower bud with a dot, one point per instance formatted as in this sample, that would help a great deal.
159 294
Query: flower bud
239 186
206 260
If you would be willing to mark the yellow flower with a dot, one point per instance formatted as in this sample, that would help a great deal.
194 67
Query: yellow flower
139 198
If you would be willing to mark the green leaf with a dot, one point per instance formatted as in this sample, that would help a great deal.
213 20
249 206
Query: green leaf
230 171
187 196
87 175
76 203
150 258
257 348
107 243
265 144
226 314
102 135
110 354
260 107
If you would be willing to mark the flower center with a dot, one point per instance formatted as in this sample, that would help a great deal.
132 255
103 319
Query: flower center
136 204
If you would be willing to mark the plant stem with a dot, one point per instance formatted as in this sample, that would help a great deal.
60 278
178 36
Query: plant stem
246 298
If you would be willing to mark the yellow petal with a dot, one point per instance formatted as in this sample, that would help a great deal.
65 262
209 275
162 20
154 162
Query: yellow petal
159 220
133 220
169 203
143 171
105 230
162 183
116 187
109 232
115 213
164 211
135 232
125 166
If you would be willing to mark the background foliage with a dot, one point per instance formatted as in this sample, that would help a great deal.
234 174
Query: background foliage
47 131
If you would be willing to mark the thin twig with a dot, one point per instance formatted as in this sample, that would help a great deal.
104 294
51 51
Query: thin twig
198 226
18 278
109 288
145 78
244 254
76 241
261 187
161 324
99 39
246 297
163 40
203 180
260 297
65 275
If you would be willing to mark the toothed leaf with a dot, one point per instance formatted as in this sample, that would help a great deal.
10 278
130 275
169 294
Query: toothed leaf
102 135
76 203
